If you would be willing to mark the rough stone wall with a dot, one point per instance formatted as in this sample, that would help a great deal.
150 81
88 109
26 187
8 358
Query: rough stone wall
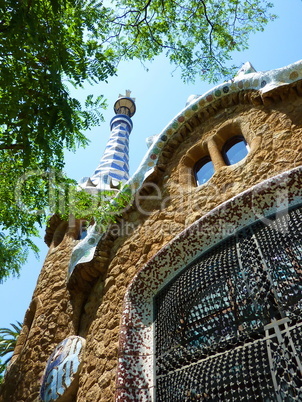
274 137
273 132
50 318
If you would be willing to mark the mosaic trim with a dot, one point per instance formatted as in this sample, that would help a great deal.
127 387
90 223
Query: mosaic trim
135 376
262 81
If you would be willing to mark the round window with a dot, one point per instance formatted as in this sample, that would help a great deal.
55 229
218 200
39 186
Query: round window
235 149
203 170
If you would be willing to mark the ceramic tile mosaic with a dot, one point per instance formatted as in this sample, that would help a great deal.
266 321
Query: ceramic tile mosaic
134 394
115 160
62 368
177 256
135 371
114 164
135 340
257 203
136 313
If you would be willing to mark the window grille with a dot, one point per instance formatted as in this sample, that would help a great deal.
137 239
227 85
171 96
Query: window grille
229 327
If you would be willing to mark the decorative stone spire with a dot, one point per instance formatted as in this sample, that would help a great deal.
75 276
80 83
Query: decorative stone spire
114 164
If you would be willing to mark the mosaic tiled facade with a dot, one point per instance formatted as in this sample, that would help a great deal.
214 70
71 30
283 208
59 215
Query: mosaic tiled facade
229 251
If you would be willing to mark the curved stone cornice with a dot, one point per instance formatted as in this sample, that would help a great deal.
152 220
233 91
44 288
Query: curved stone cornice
263 82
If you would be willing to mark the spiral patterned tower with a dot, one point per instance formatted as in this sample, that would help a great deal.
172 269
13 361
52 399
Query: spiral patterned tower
113 168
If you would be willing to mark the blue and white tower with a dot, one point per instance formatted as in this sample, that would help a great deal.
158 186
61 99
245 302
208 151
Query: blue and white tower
113 168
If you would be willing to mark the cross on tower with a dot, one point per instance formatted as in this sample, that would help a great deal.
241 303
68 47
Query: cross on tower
127 95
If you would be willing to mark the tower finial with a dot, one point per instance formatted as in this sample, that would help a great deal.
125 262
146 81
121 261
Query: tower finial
125 104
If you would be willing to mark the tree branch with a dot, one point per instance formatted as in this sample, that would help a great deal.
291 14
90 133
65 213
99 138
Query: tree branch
210 23
12 146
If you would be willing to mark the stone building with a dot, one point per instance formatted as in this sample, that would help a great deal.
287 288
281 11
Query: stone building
195 293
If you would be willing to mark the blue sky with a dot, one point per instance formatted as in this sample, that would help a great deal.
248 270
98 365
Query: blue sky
160 95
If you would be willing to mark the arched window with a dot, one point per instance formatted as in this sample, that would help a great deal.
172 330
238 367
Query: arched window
203 170
235 149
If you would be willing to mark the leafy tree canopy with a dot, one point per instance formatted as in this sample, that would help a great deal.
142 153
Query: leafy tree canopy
48 45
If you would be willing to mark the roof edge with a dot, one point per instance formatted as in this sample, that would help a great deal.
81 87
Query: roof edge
263 82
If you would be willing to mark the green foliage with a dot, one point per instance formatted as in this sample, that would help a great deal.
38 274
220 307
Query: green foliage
37 113
8 340
2 371
15 257
26 200
48 45
196 35
102 208
44 45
